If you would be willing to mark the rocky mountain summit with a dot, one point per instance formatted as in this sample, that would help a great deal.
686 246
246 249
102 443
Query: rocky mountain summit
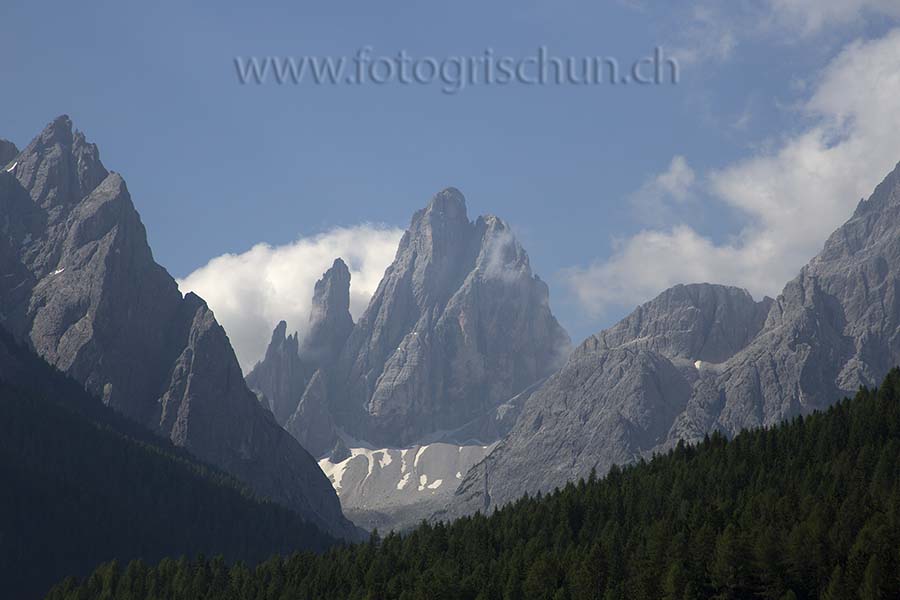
458 326
458 334
81 288
706 358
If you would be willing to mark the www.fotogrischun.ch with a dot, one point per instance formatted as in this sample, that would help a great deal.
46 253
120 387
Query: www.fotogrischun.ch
455 73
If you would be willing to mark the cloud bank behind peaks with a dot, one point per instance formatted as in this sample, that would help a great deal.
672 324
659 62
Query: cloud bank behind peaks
250 292
790 198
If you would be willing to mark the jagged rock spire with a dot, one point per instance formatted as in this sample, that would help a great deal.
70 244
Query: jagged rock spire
330 321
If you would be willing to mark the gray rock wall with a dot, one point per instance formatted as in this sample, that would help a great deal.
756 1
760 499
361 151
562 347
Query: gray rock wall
81 287
704 358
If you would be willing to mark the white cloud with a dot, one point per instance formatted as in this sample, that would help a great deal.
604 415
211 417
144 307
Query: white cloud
250 292
659 198
792 197
677 181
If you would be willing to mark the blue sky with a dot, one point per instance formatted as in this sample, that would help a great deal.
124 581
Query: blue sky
615 191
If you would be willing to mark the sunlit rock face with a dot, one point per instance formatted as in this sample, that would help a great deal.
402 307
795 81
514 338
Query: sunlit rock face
708 358
458 326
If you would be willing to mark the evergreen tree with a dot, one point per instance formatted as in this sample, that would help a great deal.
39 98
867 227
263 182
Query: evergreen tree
808 509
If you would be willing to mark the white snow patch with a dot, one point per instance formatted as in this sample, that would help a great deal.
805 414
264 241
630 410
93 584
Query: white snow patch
334 472
13 167
419 476
403 454
405 474
419 455
58 271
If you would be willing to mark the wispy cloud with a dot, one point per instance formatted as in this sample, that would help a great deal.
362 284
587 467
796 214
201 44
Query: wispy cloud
791 196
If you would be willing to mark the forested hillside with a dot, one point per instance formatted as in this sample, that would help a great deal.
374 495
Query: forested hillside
810 509
80 484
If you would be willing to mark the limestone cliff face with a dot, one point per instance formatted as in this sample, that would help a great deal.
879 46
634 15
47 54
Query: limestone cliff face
81 287
458 325
703 358
835 327
618 393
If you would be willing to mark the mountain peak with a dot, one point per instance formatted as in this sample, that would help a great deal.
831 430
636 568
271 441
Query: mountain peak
59 167
697 321
493 222
333 280
446 211
279 333
872 228
340 265
59 129
332 292
501 254
329 318
457 326
448 199
886 193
